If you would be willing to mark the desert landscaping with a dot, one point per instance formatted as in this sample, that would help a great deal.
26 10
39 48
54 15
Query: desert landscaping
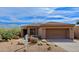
10 41
18 46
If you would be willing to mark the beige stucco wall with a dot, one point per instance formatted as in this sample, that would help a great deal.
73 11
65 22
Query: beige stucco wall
71 33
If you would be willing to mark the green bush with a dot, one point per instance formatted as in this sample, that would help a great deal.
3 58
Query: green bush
16 33
10 33
7 35
2 31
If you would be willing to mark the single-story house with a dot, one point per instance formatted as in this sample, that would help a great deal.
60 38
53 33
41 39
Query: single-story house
50 30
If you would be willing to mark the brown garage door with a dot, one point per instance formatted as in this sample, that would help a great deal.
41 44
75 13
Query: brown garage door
57 33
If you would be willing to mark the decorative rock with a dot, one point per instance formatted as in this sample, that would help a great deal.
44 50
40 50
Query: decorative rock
20 43
40 43
34 40
44 41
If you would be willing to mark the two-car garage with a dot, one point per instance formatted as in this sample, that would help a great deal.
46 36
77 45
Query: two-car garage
59 33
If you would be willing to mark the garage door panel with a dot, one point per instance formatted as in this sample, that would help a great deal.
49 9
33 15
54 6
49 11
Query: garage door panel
56 33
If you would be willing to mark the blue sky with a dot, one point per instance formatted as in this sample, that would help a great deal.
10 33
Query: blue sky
27 15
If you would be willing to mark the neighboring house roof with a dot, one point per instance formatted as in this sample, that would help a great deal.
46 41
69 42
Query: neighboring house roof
49 24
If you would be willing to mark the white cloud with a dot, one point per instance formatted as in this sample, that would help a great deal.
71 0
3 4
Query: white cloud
71 19
56 16
49 10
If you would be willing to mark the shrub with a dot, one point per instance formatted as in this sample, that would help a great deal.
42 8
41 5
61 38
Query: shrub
24 50
49 48
16 33
7 35
34 41
2 31
55 45
0 37
13 33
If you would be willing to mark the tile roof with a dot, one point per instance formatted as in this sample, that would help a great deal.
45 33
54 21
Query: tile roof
50 24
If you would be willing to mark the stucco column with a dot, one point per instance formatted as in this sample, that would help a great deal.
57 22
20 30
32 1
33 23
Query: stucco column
71 33
44 33
41 32
28 31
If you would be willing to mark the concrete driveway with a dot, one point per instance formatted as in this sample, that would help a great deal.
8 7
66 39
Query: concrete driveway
67 44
